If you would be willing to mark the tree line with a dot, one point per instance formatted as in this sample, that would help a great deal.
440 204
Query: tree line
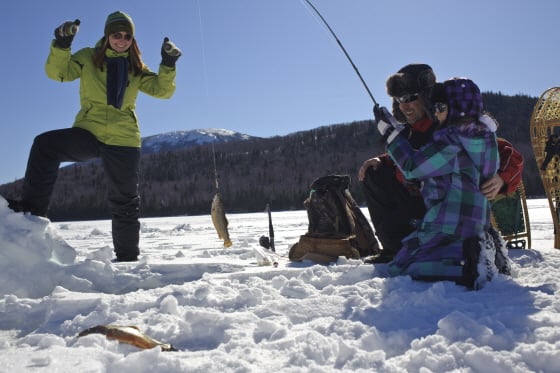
251 173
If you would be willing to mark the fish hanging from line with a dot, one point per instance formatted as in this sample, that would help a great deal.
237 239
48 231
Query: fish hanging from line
219 219
127 334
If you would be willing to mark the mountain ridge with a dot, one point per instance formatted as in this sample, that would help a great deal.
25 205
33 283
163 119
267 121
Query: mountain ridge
173 140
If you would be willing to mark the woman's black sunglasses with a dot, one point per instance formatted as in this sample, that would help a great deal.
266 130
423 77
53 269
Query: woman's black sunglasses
439 107
119 36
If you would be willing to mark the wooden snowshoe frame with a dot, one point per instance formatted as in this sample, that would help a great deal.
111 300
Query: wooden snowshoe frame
544 120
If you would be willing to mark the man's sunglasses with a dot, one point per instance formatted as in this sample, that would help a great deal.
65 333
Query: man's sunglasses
120 35
407 98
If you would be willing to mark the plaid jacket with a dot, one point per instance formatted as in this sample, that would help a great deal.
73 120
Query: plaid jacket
451 168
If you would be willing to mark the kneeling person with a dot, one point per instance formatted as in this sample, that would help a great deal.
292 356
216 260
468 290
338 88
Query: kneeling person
450 238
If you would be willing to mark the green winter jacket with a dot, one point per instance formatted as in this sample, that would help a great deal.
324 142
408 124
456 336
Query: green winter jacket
110 125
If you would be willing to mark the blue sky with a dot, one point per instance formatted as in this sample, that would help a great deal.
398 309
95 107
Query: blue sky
269 67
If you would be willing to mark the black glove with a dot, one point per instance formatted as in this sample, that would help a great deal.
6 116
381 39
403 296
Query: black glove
64 34
386 124
169 53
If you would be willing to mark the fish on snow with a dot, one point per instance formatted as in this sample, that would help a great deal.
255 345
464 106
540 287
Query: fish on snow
127 334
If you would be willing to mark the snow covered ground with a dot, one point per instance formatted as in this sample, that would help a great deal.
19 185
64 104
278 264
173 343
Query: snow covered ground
225 313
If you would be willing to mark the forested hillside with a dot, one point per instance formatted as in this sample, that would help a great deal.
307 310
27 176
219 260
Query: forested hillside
254 172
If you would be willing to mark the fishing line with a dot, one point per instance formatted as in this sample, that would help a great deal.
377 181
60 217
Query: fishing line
215 168
343 49
204 76
204 73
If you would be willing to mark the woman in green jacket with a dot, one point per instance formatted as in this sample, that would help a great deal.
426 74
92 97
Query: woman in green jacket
111 75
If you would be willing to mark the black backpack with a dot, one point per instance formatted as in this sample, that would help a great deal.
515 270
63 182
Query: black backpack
333 213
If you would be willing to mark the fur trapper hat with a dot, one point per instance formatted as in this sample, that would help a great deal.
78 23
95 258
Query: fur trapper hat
413 78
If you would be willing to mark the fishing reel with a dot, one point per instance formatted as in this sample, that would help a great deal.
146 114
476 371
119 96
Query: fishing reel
69 28
264 241
171 49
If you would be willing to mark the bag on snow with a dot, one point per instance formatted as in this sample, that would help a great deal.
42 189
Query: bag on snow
337 226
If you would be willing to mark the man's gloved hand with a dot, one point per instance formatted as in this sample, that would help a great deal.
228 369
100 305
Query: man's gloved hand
169 53
386 124
64 34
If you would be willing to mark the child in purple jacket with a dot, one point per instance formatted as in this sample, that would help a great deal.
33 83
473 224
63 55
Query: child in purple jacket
449 240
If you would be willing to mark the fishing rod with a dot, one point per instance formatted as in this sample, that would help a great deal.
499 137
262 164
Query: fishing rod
266 241
270 228
343 49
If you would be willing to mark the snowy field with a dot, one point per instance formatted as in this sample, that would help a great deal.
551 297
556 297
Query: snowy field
225 313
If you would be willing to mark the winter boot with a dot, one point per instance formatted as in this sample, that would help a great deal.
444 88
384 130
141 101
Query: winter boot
471 255
21 206
502 260
15 205
479 255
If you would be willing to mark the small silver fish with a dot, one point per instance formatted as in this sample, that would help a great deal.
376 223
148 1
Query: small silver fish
219 219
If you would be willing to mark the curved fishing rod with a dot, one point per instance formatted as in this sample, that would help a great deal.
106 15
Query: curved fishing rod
344 50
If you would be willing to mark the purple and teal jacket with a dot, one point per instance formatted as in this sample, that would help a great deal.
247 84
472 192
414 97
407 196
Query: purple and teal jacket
451 169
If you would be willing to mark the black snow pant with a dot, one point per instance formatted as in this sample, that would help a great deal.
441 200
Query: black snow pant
394 211
122 172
